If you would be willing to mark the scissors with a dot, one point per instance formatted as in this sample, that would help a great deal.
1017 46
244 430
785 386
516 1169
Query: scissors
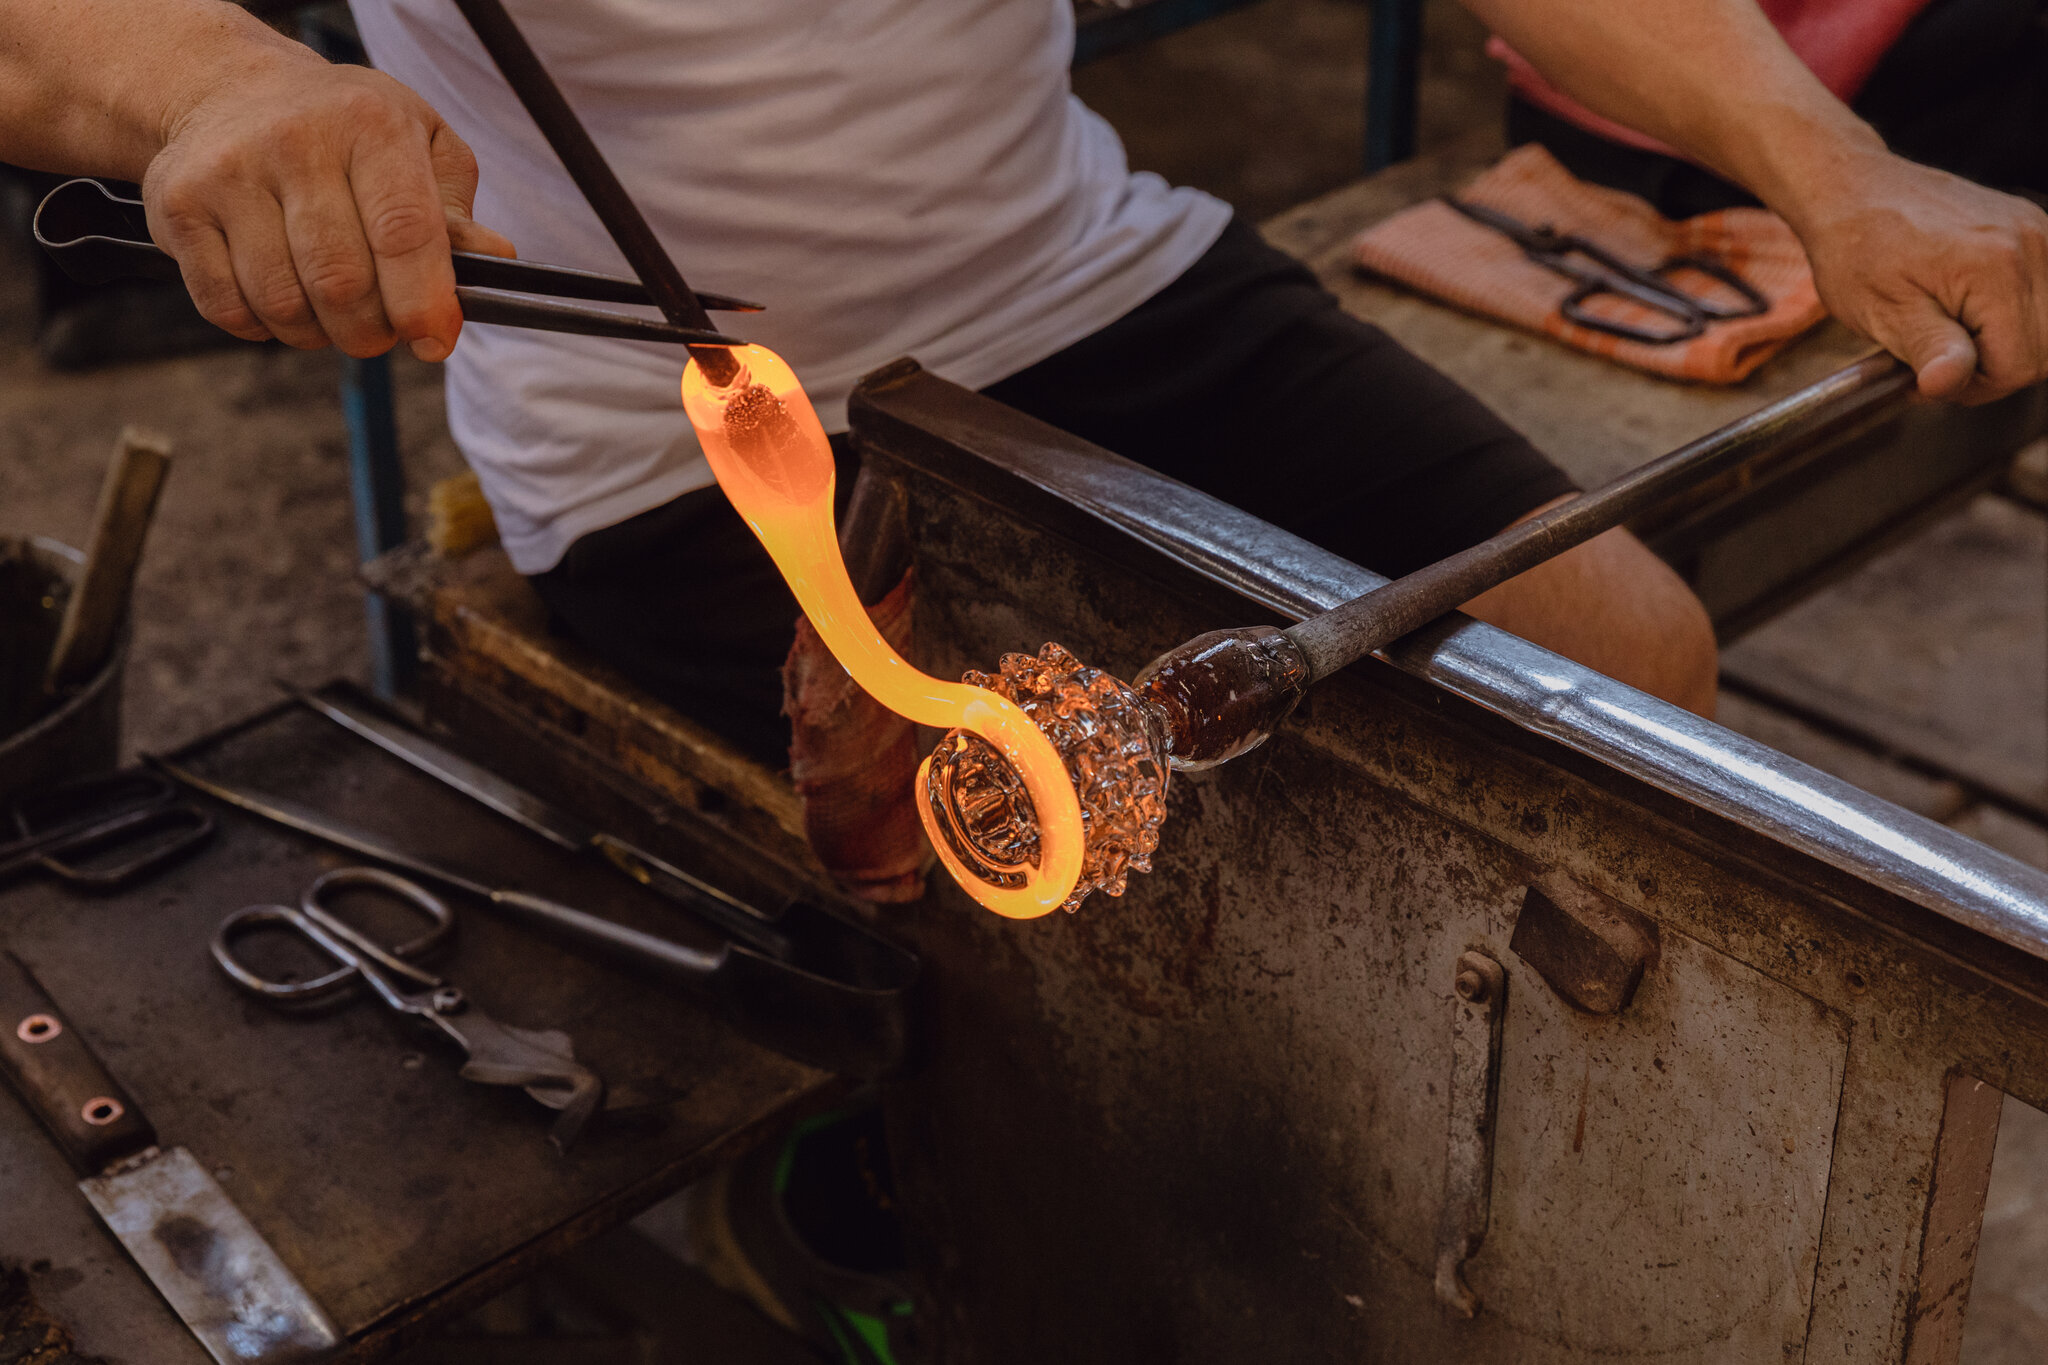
104 831
542 1061
97 236
1567 254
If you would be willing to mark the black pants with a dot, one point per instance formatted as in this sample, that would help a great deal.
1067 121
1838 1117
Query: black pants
1965 89
1242 378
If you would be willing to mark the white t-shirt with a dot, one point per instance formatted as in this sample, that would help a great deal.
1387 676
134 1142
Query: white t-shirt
890 177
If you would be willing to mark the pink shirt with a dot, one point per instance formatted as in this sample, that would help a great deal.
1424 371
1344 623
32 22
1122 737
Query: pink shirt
1840 41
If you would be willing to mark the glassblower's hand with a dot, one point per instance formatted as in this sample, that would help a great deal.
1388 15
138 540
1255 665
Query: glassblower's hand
317 204
1947 275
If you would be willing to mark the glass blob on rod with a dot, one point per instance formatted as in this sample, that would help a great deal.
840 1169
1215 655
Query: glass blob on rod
770 454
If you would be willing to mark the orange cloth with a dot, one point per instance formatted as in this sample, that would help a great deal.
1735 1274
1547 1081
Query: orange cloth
1437 250
854 764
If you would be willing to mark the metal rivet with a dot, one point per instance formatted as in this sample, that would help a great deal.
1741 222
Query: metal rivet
1471 986
38 1028
101 1110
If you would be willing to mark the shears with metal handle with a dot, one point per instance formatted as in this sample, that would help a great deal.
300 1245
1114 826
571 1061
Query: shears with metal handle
104 831
541 1061
97 236
1598 271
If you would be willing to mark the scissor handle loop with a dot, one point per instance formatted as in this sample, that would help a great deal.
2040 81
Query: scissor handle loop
397 958
1755 303
1687 321
295 992
353 951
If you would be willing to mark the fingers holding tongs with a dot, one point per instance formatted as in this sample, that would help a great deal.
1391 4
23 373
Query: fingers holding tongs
96 236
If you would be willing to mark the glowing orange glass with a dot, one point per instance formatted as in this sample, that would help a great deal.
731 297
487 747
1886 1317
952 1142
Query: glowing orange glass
771 457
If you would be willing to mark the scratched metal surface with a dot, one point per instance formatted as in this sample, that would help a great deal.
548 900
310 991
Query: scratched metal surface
384 1181
1208 1119
1152 525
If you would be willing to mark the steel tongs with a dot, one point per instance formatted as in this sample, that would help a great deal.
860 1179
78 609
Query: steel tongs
98 236
1597 271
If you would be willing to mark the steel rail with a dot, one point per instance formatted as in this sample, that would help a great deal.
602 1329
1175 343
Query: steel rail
1349 632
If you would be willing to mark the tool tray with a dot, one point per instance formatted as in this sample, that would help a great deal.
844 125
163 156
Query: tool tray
397 1192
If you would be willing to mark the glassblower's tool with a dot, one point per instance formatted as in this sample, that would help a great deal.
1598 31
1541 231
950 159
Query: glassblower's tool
836 1003
807 981
99 603
105 831
731 917
1599 272
540 1061
542 99
96 235
211 1265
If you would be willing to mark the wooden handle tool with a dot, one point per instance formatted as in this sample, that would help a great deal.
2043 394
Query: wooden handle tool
98 602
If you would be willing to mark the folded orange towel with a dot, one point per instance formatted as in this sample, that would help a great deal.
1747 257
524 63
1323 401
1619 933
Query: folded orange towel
1437 250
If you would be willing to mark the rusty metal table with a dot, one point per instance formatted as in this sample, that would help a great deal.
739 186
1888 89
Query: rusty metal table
1269 1105
399 1193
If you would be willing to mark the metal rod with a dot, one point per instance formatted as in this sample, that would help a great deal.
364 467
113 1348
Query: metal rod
1347 633
546 315
593 175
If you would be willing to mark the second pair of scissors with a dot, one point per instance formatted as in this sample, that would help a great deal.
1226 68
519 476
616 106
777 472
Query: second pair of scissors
1598 271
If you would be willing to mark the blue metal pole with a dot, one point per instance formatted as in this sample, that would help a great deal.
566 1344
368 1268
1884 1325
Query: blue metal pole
1392 82
377 483
376 478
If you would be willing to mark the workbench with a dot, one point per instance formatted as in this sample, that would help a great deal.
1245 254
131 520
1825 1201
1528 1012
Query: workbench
399 1193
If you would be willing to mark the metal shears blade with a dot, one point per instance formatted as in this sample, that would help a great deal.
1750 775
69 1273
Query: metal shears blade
96 236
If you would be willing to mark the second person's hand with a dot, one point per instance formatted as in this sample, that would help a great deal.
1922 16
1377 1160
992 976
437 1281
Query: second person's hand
1949 276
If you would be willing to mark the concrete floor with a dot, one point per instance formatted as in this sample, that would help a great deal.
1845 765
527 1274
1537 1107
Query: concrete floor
248 575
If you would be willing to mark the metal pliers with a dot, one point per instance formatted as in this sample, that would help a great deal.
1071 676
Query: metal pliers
97 236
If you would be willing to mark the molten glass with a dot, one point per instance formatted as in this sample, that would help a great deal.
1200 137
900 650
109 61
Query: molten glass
772 459
1051 781
1115 755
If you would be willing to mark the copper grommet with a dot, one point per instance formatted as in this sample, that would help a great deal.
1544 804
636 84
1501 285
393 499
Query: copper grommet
38 1028
101 1110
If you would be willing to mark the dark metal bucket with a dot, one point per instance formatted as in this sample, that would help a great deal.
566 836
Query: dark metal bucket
82 733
